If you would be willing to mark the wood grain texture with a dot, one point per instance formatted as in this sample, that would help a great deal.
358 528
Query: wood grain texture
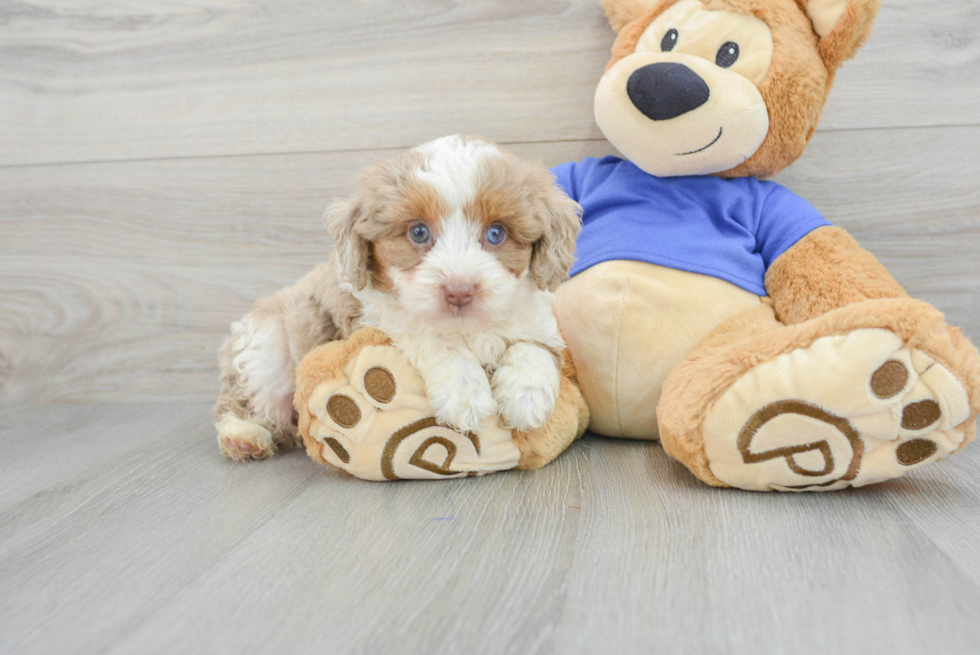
118 281
167 547
122 529
142 79
42 447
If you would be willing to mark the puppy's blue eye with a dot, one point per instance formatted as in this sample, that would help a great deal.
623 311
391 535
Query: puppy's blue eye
419 233
496 235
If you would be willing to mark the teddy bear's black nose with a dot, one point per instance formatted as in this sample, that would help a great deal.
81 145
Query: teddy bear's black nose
666 90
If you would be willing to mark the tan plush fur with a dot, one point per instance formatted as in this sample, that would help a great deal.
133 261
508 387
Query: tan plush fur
629 324
799 78
825 270
823 286
851 31
622 12
755 337
328 364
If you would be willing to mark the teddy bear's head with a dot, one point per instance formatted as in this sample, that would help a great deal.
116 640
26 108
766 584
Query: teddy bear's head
725 87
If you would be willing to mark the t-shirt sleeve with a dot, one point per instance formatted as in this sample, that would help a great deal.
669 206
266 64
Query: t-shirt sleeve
565 178
571 175
785 219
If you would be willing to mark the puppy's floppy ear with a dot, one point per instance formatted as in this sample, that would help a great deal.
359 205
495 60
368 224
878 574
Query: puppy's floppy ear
622 12
352 249
842 25
554 253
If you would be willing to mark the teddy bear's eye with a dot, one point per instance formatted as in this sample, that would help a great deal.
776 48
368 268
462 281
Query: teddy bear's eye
669 41
727 54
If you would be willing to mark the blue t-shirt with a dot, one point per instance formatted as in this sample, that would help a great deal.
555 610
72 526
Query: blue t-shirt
729 229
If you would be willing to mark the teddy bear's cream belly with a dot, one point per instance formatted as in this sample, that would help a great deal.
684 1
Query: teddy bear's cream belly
628 325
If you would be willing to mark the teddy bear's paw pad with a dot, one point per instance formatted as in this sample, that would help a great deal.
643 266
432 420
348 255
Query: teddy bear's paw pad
848 410
376 423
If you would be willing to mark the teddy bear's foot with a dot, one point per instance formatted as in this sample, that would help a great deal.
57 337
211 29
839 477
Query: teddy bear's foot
363 409
847 410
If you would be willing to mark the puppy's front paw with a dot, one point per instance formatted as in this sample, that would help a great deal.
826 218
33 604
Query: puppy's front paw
461 396
526 387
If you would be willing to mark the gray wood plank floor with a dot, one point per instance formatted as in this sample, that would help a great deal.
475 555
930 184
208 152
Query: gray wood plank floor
164 163
150 542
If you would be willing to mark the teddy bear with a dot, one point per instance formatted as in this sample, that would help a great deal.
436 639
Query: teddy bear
720 313
714 311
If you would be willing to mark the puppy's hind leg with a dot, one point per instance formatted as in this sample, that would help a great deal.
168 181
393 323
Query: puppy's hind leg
258 361
242 439
254 408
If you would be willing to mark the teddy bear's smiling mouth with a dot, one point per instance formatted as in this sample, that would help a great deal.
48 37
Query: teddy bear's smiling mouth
713 142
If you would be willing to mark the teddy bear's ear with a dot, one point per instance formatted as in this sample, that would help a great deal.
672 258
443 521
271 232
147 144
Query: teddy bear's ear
842 25
621 12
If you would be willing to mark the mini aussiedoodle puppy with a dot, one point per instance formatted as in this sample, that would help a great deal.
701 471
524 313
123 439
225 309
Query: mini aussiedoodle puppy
454 250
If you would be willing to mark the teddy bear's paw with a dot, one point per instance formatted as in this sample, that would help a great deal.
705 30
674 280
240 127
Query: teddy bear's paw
242 440
375 422
848 410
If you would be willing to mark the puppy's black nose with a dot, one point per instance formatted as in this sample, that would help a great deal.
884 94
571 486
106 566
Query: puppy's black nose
459 295
666 90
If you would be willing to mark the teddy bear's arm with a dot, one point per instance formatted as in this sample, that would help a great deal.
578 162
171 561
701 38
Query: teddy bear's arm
823 271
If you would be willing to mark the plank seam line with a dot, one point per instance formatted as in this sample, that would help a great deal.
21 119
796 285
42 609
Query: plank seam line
137 160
